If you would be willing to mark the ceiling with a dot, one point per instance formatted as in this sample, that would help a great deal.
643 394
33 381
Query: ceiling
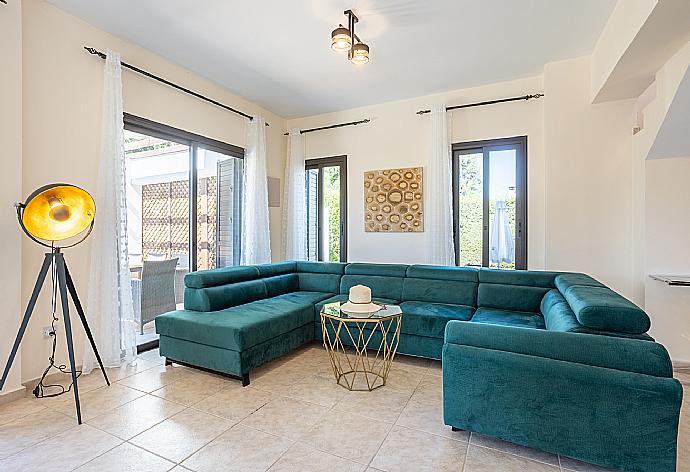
276 53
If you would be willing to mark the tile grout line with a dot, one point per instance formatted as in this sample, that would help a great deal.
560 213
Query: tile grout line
521 457
394 423
467 451
99 455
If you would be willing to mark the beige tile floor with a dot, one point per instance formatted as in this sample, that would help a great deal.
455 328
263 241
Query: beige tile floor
291 418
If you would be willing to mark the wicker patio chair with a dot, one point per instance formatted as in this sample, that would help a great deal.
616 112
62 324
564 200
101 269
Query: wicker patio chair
154 293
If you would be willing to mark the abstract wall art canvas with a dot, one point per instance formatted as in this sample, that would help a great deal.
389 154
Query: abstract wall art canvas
394 200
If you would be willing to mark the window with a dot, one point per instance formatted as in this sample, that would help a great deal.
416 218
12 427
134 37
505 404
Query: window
326 192
490 203
175 178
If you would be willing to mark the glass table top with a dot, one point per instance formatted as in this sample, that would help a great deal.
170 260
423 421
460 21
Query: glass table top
333 310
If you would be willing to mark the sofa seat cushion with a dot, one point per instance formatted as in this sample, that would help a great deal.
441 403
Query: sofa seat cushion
241 327
520 319
429 319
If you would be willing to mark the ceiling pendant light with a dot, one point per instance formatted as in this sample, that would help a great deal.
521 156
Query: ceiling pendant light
340 39
360 54
344 39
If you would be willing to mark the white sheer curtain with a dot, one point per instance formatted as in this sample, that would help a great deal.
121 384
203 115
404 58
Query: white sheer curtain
439 211
256 241
109 301
294 200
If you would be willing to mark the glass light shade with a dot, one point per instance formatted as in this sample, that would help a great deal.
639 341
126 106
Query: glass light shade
360 54
340 40
58 211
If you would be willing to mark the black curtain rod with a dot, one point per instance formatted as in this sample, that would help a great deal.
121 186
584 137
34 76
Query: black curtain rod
171 84
339 125
490 102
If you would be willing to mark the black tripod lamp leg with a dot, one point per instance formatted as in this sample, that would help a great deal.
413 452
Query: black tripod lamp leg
60 260
73 292
27 315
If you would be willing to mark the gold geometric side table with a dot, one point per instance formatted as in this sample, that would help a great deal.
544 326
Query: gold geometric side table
361 347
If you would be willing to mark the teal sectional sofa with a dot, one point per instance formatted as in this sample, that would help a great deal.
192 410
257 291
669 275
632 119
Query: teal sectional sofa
551 360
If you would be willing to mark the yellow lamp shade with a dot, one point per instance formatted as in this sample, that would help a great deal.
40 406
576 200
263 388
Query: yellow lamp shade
58 211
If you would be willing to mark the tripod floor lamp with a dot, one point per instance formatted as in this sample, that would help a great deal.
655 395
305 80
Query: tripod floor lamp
57 214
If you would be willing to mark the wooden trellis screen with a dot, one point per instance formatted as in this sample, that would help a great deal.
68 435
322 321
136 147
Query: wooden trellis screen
165 220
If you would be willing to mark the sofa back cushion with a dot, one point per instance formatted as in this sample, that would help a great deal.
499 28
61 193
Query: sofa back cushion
510 297
321 267
221 297
320 276
559 317
381 287
557 313
386 270
440 291
311 282
385 280
527 278
602 308
276 268
215 277
440 284
281 284
567 280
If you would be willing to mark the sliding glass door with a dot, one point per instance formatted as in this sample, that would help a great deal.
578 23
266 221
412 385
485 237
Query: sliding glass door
326 192
489 203
175 178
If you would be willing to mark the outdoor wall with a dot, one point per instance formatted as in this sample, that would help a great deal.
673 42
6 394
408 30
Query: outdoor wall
588 178
62 110
397 137
11 188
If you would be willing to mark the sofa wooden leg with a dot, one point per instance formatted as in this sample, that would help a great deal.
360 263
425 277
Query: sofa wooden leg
245 379
168 361
453 428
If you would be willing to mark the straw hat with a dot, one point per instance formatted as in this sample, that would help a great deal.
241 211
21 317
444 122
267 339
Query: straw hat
359 301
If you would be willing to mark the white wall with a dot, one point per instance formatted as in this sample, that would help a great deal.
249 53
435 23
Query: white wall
11 188
397 137
588 178
580 214
62 108
661 207
668 252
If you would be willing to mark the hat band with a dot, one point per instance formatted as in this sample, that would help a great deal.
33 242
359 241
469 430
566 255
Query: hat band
359 303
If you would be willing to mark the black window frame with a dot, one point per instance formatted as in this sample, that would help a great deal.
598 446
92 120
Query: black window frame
138 124
519 143
319 163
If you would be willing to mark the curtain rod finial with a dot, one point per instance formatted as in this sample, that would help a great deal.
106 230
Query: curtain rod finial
95 52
